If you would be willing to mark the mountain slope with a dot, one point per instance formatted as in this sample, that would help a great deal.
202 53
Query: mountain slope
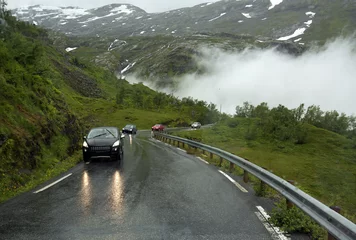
49 99
289 20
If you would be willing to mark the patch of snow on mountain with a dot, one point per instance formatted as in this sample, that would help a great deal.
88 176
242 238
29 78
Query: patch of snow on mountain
142 32
263 19
128 67
116 40
96 18
139 17
297 32
241 21
308 23
68 49
310 14
34 22
248 6
297 40
247 15
274 3
72 13
122 9
221 14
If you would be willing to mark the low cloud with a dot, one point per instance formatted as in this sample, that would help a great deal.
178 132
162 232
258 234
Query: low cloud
322 76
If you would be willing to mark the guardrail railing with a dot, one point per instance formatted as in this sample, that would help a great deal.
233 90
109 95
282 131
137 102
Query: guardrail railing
337 225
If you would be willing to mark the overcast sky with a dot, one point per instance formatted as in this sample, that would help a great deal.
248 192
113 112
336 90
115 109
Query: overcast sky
147 5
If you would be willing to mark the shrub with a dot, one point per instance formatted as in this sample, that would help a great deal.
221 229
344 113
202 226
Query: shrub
294 220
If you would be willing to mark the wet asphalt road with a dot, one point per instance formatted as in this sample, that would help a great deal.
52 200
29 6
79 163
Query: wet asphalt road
156 193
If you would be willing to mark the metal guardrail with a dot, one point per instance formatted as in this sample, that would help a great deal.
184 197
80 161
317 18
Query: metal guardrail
337 225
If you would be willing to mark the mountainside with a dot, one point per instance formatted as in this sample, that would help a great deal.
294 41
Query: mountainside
298 20
49 99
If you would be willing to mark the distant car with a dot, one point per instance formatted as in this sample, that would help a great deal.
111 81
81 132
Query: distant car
129 128
158 127
103 142
196 125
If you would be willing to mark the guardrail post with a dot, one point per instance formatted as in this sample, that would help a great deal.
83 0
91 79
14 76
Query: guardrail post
246 176
338 210
263 187
203 151
288 202
183 145
211 155
220 162
231 168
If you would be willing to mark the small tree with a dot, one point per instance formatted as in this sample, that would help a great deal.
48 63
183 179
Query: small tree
3 5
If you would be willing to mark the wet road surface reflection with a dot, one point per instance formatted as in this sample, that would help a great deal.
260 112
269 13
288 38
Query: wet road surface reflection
117 193
85 193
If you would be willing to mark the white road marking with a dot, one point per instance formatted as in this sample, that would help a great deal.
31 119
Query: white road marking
182 150
202 160
50 185
234 182
275 232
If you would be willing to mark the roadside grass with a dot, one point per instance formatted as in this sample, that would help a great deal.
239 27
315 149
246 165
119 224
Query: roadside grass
324 167
50 167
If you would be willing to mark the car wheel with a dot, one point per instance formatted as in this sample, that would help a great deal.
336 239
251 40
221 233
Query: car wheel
120 156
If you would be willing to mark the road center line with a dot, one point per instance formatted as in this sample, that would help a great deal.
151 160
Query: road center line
50 185
234 182
202 160
275 232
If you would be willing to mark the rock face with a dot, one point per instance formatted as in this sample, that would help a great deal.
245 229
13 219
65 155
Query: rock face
289 20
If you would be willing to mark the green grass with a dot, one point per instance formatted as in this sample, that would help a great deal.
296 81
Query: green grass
13 185
324 167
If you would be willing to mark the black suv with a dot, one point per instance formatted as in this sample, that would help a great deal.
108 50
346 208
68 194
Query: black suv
103 142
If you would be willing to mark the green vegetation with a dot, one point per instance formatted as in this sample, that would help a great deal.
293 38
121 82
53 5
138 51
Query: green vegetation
286 142
49 99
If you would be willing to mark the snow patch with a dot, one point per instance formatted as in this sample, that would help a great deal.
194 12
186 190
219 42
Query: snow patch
128 67
308 23
297 32
142 32
68 49
35 23
241 21
122 9
310 14
63 23
274 3
246 15
174 31
221 14
248 6
297 40
96 18
139 17
263 19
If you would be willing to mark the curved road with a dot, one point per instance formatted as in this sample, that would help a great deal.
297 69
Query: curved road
157 193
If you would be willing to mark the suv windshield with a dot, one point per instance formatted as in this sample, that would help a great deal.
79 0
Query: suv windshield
103 133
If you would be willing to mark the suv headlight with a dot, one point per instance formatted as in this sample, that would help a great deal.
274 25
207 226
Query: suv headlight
85 144
116 144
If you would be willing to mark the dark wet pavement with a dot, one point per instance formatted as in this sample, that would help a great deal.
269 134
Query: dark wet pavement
156 193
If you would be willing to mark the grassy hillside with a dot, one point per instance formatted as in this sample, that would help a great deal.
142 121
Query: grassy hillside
49 99
324 167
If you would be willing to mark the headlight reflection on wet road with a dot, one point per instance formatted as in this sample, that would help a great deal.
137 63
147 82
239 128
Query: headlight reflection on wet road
86 193
117 193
